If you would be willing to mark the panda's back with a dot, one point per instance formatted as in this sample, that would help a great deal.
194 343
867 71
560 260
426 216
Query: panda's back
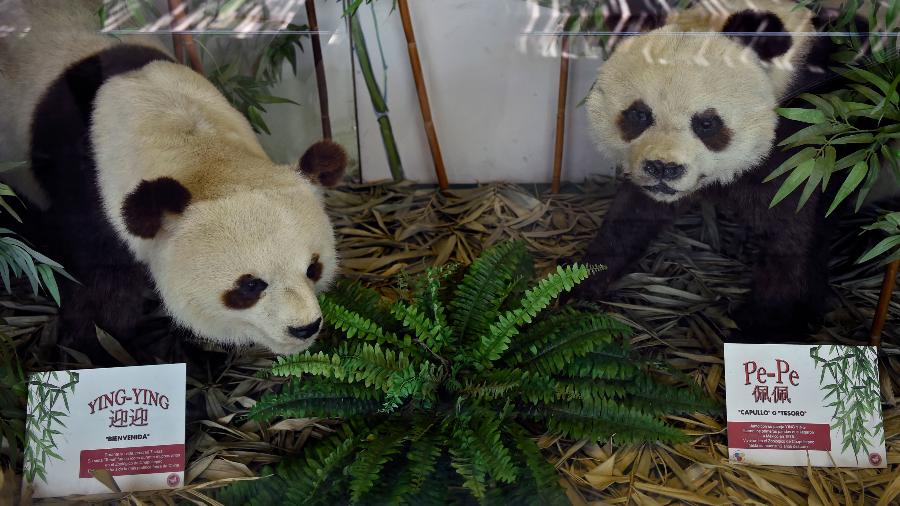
61 33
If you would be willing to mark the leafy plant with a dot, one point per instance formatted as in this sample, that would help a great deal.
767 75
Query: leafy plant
865 113
17 259
13 392
442 388
853 392
45 391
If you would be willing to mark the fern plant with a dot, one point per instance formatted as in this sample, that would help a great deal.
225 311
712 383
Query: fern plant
442 389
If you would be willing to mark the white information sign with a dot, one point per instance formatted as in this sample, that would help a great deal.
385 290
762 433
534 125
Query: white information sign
128 421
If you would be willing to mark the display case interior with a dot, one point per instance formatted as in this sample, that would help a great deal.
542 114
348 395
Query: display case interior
444 250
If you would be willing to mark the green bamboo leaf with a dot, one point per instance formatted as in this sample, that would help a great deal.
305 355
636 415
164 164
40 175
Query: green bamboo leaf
812 116
820 103
862 75
863 138
851 159
867 92
882 247
792 162
854 178
812 183
797 177
828 164
871 178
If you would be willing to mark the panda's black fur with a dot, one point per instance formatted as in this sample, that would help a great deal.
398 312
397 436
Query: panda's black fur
74 230
790 275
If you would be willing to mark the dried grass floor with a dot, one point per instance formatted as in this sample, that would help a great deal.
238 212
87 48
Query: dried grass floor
678 299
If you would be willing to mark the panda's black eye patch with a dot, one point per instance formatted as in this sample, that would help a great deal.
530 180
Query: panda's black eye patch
635 120
246 292
710 128
314 271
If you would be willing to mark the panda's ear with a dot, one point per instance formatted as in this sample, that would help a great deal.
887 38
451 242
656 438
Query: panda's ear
324 163
145 207
769 43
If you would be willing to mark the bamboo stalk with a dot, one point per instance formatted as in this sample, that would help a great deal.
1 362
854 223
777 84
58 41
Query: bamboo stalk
884 300
422 93
561 100
378 102
184 42
321 84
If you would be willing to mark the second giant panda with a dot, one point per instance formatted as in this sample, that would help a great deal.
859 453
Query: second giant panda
148 173
688 113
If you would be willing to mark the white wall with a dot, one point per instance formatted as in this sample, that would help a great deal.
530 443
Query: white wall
493 93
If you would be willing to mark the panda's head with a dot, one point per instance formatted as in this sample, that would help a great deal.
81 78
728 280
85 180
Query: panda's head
245 267
677 111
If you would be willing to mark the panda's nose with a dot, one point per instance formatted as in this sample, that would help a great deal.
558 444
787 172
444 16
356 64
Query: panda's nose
664 171
306 331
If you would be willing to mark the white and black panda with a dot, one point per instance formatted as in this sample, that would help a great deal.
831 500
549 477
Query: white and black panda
147 171
687 111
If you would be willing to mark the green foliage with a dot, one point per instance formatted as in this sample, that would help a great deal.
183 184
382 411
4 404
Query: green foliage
442 387
848 379
18 259
13 392
865 114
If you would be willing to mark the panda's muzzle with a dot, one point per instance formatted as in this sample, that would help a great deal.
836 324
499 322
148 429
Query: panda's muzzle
305 331
664 171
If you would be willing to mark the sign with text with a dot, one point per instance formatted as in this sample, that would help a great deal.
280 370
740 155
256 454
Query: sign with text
128 421
793 405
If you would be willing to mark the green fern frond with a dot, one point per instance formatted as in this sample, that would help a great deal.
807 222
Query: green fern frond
496 341
367 303
422 456
604 419
434 335
496 384
354 325
314 479
609 363
469 468
654 397
421 384
380 446
374 365
541 487
300 399
477 300
316 364
576 336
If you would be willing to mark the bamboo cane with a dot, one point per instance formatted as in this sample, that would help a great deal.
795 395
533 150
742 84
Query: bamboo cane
321 84
884 300
561 114
378 102
184 42
422 93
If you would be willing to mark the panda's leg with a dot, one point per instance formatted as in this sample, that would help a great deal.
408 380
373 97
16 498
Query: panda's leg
632 222
790 277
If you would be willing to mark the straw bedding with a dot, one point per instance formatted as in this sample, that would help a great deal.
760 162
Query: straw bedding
678 299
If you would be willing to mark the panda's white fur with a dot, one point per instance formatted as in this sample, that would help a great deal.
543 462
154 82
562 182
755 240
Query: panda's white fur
246 215
686 67
678 75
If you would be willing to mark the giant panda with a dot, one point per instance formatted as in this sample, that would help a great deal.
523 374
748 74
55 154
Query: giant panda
147 173
687 112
